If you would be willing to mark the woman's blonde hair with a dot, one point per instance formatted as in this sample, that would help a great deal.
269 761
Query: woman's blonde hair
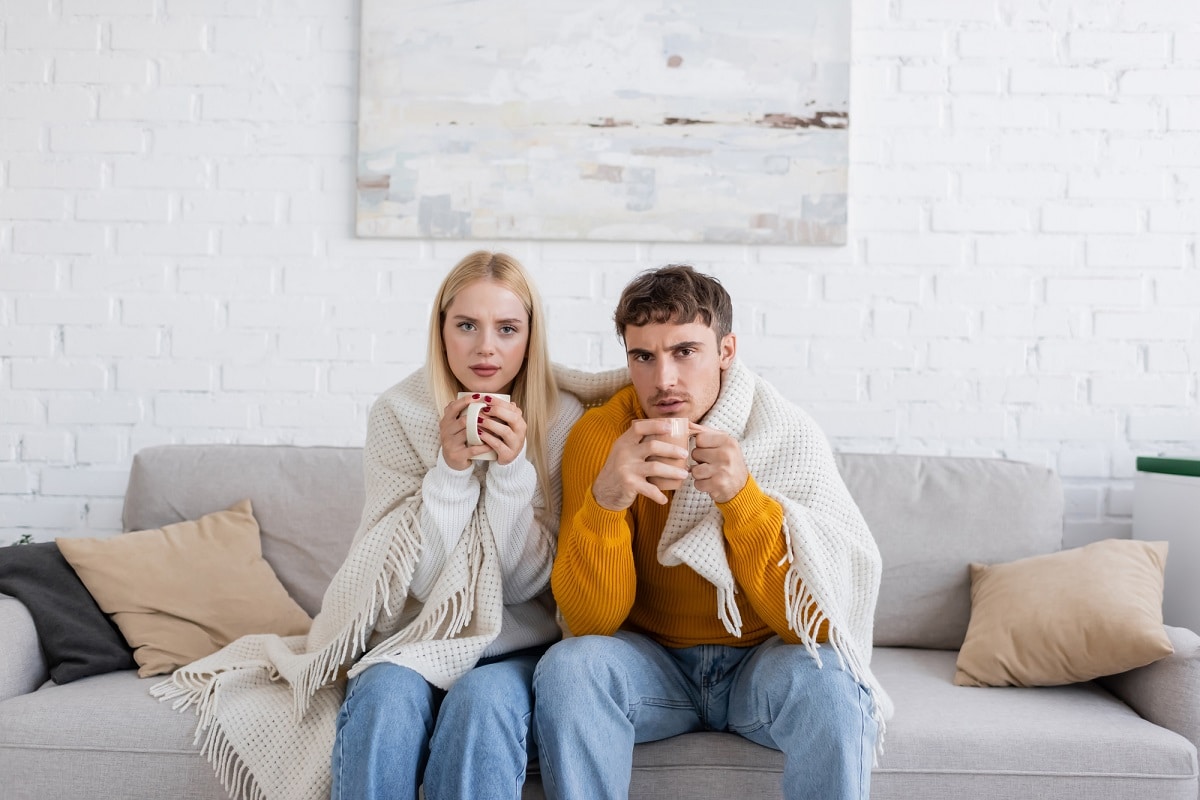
533 388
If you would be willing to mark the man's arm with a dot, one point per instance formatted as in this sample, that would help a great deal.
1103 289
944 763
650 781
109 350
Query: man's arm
753 527
593 579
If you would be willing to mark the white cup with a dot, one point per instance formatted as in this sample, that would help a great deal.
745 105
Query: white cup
680 436
471 415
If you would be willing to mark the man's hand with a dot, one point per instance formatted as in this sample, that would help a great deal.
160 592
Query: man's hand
625 473
720 470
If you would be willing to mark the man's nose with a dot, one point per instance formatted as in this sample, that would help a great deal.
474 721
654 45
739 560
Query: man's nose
665 373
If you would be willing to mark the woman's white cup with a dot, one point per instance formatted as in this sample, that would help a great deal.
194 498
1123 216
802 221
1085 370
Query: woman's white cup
471 416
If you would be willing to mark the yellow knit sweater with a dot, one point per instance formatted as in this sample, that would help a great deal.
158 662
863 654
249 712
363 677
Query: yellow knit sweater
607 575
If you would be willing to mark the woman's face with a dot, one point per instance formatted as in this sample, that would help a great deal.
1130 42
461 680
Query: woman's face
486 333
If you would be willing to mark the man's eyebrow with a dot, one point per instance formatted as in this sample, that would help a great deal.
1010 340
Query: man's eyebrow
637 351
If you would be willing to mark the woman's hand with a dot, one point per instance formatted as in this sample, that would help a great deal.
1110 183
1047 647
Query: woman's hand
453 431
502 427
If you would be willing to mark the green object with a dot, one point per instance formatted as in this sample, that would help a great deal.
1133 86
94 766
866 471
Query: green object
1169 466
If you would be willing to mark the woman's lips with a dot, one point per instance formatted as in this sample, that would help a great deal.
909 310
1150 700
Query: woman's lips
485 370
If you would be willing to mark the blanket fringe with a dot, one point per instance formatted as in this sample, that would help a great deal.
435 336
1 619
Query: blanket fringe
233 773
728 611
399 563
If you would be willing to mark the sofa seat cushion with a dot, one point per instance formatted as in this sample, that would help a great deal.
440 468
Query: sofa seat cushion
945 741
106 730
1063 742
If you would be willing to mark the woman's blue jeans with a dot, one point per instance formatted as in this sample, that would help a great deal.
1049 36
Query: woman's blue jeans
599 695
395 731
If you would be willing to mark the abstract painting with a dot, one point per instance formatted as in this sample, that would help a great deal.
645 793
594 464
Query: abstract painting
629 120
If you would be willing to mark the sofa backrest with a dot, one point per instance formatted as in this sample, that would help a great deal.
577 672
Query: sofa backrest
307 501
931 516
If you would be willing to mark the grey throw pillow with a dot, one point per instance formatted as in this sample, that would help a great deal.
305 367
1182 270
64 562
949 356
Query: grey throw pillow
77 638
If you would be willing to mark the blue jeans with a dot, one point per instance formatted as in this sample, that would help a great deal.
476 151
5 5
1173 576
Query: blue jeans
395 731
599 695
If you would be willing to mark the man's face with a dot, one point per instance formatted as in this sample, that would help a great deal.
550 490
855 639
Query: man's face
676 369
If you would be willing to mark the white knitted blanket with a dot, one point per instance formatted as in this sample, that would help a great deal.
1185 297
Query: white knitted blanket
267 705
835 566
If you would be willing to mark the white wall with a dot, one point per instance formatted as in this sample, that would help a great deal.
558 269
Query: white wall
178 264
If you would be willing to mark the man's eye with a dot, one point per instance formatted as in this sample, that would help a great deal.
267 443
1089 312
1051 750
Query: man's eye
684 352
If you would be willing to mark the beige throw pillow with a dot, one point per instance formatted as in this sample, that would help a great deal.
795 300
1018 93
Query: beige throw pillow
184 591
1065 617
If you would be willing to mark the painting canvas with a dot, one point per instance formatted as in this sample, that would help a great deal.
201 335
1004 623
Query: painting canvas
632 120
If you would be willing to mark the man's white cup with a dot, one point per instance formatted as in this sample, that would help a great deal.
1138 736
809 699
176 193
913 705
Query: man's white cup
680 435
471 416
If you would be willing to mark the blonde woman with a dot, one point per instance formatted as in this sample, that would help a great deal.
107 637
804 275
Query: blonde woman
456 716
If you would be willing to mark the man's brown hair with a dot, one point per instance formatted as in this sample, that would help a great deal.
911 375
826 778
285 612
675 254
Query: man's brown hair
675 294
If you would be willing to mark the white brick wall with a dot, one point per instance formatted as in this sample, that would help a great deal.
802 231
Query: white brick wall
177 262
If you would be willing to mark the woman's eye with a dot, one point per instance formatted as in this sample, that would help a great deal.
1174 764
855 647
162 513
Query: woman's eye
508 330
466 326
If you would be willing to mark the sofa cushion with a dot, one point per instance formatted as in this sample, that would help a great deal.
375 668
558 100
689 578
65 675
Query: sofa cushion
104 731
307 501
76 637
1065 617
184 591
933 515
1074 742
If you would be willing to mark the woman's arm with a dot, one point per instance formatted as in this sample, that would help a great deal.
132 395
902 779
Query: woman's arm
449 497
524 540
524 522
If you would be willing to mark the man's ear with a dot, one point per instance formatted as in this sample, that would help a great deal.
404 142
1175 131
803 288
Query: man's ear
728 349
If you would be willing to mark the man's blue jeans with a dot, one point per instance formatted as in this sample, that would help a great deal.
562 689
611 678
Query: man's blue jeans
598 695
395 730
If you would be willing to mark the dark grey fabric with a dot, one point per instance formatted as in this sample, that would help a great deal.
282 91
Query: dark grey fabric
77 638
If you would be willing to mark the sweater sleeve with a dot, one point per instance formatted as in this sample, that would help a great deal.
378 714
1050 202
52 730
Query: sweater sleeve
594 580
449 497
524 522
526 548
753 526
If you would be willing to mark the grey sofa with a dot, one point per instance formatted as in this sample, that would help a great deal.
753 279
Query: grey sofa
1130 736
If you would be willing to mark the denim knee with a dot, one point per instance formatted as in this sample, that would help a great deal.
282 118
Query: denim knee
792 681
489 695
386 694
564 667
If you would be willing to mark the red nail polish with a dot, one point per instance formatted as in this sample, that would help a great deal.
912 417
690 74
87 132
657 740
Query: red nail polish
474 397
488 398
486 409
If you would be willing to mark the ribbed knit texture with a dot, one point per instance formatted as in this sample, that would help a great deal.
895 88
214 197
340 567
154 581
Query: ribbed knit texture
673 605
817 581
268 705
